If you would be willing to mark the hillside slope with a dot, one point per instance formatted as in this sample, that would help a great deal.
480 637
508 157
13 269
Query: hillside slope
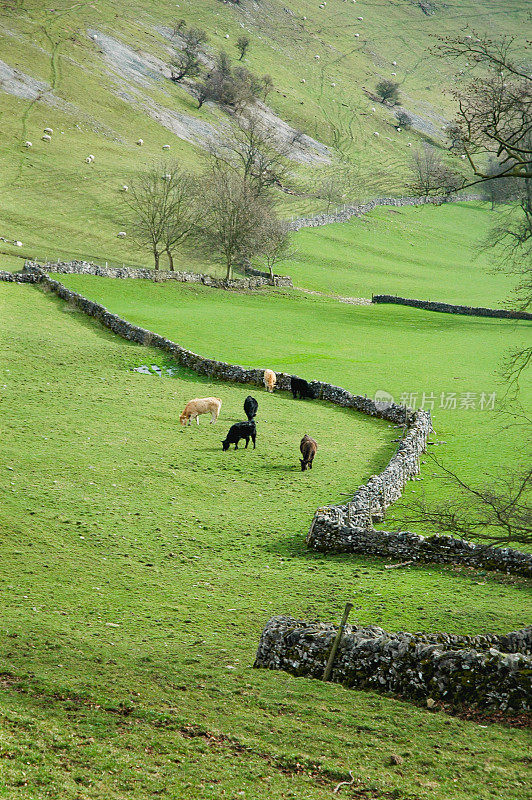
96 73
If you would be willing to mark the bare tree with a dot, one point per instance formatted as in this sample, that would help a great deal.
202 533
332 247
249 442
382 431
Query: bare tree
162 210
267 86
430 176
494 120
242 45
275 244
495 109
498 513
388 91
454 135
253 149
184 210
498 189
232 216
404 120
332 190
185 62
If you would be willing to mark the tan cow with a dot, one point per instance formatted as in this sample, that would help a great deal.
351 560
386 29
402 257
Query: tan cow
201 405
270 379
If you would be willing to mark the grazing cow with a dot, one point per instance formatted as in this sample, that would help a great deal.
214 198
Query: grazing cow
270 379
308 449
201 405
250 407
240 430
301 388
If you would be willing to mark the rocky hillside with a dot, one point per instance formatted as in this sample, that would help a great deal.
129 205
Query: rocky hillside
97 74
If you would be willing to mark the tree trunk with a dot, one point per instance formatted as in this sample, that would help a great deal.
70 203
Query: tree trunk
229 271
156 259
170 260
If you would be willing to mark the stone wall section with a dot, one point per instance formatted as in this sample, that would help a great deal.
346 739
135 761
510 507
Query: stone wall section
449 308
255 279
345 214
332 534
485 671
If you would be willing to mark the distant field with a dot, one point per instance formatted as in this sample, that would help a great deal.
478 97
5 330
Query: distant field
407 352
431 253
140 562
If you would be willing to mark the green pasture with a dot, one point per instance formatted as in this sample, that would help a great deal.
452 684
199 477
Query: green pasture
427 252
447 363
141 562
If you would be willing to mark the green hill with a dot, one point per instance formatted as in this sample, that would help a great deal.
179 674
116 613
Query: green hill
96 73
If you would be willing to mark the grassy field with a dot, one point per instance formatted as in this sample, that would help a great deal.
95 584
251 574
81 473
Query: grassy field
407 352
143 563
431 253
102 105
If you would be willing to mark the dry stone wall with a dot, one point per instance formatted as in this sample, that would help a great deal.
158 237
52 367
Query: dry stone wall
449 308
486 671
254 281
345 214
335 534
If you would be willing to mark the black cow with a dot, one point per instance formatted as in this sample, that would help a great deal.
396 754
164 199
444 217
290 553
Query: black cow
308 449
240 430
250 407
301 388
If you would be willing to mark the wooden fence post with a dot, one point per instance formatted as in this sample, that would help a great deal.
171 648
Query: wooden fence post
336 643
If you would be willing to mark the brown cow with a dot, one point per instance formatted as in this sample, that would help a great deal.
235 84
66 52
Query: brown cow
308 449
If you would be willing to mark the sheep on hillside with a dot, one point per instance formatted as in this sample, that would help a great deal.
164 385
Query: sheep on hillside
46 138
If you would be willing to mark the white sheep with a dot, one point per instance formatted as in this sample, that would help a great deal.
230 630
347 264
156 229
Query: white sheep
166 147
28 144
88 160
48 130
376 133
394 63
399 130
121 234
394 74
17 244
303 80
374 109
333 84
360 18
357 35
140 142
317 58
125 188
46 138
166 177
409 144
226 36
